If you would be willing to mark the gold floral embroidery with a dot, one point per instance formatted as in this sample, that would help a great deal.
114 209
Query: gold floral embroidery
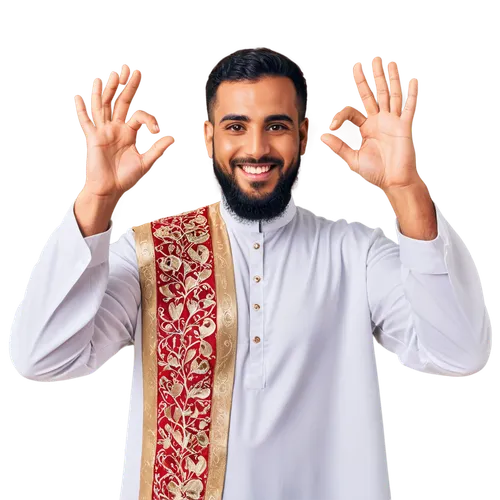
188 353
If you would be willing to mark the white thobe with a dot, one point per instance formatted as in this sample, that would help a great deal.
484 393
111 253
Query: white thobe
306 420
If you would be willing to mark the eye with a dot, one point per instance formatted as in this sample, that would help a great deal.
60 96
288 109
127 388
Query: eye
278 125
234 125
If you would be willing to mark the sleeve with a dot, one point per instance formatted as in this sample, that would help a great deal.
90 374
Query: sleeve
426 302
80 306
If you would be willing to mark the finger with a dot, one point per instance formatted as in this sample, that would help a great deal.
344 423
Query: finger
348 113
140 117
96 105
123 101
83 117
411 101
156 150
365 92
387 78
396 96
381 84
335 144
386 73
124 74
108 94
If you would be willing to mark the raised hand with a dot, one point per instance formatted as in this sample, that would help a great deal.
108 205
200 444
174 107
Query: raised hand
113 163
386 157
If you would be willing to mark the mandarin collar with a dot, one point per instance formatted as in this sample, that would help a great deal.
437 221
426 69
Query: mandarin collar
256 226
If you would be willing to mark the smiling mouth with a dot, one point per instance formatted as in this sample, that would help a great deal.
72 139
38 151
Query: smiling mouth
256 168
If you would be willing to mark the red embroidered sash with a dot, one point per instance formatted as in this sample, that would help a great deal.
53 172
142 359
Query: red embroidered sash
189 334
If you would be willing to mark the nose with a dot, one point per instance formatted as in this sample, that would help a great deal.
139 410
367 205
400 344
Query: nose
258 145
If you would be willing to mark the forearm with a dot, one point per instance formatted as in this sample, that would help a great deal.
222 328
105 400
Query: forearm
80 306
415 211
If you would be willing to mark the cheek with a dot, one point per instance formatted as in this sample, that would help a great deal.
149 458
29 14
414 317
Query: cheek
225 150
227 147
287 146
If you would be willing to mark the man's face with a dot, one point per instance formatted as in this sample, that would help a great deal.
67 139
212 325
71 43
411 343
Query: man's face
256 125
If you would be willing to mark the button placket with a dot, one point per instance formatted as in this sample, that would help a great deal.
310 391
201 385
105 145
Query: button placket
255 377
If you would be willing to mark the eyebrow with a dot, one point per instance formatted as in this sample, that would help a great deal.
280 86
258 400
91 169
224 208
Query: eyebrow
245 118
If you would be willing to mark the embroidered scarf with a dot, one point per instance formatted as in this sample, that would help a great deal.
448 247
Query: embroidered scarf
189 336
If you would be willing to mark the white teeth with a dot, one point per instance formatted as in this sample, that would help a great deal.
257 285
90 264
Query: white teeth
256 170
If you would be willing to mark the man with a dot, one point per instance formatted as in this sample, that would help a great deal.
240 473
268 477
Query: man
253 319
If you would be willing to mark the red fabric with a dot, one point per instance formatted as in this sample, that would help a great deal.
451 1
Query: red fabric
186 324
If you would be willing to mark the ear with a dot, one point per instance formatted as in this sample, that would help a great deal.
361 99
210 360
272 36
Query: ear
208 130
307 132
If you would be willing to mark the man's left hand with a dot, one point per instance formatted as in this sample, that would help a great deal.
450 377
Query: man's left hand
386 157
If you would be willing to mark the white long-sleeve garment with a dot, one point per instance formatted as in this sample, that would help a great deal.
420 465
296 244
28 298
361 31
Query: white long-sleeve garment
306 420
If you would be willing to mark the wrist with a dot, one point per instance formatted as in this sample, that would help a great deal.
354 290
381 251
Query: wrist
93 213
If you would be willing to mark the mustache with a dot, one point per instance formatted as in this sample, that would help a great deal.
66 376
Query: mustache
265 159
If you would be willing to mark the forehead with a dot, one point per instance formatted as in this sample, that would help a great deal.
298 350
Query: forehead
269 95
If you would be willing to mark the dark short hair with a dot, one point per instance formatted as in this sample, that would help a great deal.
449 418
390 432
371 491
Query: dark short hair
254 64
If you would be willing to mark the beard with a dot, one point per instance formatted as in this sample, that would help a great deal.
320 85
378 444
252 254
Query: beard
266 207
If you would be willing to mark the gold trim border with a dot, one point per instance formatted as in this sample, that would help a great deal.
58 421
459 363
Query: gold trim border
147 273
226 342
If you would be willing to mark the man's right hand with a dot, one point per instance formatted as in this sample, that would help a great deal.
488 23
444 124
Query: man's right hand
113 163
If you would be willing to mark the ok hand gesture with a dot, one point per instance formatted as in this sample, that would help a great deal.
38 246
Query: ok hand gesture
113 163
386 157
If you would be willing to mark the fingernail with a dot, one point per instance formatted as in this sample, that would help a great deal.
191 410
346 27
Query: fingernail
156 128
334 124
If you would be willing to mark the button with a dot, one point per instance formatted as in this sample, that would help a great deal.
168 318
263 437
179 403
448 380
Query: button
256 245
256 278
256 340
256 306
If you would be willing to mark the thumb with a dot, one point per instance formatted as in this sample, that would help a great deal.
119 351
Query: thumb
156 150
339 147
337 144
